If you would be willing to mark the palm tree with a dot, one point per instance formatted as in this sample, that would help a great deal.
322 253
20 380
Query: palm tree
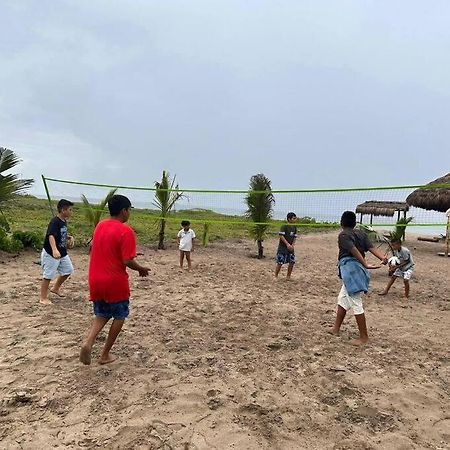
166 195
92 212
10 184
400 228
260 202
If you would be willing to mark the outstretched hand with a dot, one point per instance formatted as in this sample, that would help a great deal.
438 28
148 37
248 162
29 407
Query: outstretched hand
143 271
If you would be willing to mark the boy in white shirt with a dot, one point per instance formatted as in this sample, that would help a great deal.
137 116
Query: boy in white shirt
186 238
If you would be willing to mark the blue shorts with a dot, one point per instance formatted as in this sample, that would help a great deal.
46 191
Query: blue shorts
285 258
118 311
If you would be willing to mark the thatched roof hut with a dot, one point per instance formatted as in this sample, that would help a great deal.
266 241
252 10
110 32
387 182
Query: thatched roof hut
378 208
432 198
387 209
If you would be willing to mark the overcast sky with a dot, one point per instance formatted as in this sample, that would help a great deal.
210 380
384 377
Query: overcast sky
313 93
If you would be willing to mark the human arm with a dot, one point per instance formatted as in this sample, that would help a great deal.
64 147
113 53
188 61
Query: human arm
55 251
357 254
379 254
286 243
128 249
134 265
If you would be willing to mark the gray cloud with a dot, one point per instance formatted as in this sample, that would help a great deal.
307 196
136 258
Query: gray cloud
314 94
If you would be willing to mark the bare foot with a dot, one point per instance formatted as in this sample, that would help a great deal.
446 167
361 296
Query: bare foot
382 293
359 342
45 301
333 332
57 293
85 355
109 359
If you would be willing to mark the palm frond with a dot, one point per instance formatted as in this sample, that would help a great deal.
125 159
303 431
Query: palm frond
94 212
10 184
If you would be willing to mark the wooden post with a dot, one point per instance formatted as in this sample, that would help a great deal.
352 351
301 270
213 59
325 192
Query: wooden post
447 236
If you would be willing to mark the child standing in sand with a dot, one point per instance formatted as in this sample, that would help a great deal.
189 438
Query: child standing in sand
113 250
403 270
186 238
54 257
353 244
286 252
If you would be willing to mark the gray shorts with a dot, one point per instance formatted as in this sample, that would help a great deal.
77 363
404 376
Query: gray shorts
51 266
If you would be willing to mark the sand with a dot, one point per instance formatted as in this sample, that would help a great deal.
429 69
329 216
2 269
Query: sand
225 357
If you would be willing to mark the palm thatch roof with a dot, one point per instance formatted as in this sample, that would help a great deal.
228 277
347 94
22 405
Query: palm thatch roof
378 208
432 198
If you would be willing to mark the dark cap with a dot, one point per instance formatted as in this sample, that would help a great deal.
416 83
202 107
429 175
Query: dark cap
118 202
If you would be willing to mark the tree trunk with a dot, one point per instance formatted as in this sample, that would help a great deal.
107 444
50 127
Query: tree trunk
162 229
260 250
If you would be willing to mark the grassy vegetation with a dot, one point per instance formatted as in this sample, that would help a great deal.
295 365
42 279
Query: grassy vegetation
28 213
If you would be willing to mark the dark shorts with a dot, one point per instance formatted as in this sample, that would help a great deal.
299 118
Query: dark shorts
285 258
118 311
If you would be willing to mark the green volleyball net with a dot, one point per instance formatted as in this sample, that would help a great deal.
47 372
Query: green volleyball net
377 207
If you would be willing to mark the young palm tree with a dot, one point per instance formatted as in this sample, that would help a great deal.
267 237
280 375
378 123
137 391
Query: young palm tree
10 184
400 228
260 202
166 195
93 213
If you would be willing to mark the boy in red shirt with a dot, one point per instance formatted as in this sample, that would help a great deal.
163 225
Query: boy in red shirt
113 250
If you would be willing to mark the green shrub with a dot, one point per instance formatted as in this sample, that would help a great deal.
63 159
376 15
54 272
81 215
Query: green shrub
4 225
29 239
8 243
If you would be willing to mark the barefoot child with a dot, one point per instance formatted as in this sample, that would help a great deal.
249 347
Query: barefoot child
403 270
54 257
113 250
286 252
353 244
186 238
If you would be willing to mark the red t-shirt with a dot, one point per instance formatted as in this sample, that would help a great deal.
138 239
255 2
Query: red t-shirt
113 243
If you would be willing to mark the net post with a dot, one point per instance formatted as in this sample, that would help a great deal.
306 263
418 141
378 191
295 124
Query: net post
44 181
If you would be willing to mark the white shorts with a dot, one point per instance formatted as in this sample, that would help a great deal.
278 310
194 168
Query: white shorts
351 301
406 275
51 266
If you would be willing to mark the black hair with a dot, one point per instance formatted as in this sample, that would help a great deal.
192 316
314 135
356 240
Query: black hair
63 204
185 223
117 203
291 215
348 219
396 240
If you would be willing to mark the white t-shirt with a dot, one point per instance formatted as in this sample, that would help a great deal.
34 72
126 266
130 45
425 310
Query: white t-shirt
186 239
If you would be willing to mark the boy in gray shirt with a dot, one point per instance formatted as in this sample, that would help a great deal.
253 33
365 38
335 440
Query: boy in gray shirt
403 270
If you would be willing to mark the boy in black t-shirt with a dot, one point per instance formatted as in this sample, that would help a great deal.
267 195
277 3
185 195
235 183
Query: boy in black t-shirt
286 252
54 257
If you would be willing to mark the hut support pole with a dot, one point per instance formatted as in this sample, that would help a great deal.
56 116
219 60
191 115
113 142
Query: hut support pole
447 237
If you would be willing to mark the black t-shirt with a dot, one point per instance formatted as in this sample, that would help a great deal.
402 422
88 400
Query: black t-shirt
289 232
58 229
353 238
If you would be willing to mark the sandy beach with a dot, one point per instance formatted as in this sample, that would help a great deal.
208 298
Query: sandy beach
227 357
